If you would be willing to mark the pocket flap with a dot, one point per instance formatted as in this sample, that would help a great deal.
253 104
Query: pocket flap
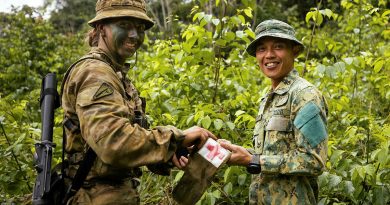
279 123
282 100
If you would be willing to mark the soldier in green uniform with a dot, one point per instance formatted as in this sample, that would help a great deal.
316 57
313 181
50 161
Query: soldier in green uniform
290 137
103 111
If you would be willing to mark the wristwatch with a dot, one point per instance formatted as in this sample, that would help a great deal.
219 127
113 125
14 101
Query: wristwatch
254 165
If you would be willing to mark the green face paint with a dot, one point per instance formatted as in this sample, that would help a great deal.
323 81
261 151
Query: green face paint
127 37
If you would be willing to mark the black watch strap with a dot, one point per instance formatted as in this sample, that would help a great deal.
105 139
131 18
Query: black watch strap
254 165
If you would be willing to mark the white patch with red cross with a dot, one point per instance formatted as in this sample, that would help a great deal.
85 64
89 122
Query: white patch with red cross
214 153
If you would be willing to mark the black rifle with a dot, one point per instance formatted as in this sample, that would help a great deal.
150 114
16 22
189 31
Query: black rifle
49 101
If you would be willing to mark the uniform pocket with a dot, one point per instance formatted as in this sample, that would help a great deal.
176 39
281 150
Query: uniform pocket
281 100
279 123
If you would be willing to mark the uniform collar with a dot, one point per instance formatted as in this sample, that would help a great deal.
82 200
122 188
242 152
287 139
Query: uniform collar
285 85
109 59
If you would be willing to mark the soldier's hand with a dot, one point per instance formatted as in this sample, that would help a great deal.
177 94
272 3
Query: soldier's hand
196 135
240 156
180 163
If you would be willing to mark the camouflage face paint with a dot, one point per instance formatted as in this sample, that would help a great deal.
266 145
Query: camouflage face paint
127 37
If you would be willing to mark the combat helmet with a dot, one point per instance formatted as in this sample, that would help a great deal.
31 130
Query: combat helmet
273 28
106 9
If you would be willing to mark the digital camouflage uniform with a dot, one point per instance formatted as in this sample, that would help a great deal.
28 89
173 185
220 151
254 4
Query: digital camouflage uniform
101 101
290 134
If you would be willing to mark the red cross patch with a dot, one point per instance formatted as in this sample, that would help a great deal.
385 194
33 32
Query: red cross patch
214 153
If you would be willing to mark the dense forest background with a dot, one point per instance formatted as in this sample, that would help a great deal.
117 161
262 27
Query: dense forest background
193 70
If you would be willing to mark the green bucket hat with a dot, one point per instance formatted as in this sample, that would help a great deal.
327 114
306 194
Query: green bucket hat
272 28
106 9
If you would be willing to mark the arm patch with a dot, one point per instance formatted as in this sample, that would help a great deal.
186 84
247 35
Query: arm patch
104 90
310 123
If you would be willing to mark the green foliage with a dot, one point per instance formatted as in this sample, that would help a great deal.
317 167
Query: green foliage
29 48
202 76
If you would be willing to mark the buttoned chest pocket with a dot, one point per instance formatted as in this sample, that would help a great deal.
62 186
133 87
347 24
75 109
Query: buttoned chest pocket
279 135
281 101
279 123
280 115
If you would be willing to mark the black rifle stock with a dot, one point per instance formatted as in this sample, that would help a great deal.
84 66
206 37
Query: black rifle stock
49 101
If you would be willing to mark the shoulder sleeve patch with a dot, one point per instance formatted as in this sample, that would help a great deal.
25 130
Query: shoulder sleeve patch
310 123
104 90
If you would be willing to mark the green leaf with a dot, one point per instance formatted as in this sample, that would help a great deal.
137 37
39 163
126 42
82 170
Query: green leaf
220 42
248 12
348 187
240 34
309 15
226 174
241 179
190 119
349 61
383 155
198 16
378 65
202 23
385 13
207 18
206 122
178 57
317 17
321 68
334 180
321 45
228 188
239 112
218 124
250 33
230 36
328 13
216 194
242 19
231 125
178 176
215 21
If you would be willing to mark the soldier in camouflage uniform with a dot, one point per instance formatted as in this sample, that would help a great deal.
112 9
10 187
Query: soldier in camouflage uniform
290 137
101 105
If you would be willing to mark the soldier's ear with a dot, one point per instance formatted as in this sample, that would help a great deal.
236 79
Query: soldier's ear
101 30
296 50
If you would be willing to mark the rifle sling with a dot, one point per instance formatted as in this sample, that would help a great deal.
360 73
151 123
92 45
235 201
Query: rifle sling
81 174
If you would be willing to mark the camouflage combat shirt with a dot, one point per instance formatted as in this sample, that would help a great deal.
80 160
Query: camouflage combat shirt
290 136
101 101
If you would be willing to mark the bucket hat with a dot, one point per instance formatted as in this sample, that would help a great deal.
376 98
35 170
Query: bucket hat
273 28
106 9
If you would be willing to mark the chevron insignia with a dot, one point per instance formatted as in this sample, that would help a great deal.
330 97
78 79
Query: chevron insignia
104 90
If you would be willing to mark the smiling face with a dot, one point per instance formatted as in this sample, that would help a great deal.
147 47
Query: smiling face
122 37
275 57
